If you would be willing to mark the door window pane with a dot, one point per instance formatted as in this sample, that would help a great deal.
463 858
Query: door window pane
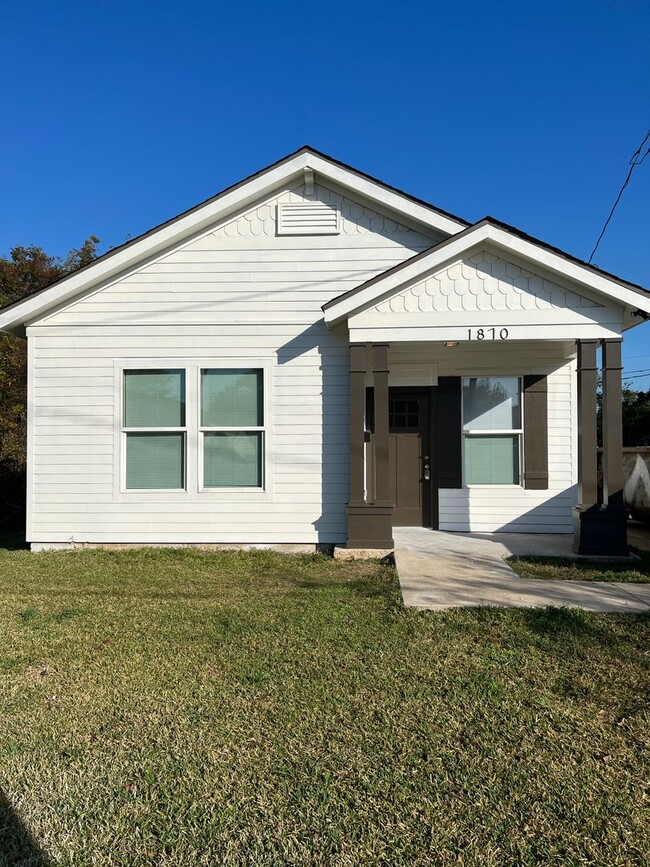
492 460
232 460
232 398
491 403
155 460
154 398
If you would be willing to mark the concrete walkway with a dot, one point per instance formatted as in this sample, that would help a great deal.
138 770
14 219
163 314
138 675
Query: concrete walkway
439 570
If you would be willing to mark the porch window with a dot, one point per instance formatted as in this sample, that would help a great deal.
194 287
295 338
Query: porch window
492 430
154 428
232 427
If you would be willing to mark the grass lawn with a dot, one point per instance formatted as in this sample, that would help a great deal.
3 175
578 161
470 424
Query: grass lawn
567 569
181 708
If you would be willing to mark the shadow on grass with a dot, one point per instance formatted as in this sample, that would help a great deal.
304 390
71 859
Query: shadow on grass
583 569
17 846
563 627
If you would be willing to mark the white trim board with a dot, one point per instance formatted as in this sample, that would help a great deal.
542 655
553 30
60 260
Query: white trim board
483 235
202 217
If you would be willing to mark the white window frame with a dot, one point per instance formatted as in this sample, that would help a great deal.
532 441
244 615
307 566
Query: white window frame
125 430
193 490
203 429
518 432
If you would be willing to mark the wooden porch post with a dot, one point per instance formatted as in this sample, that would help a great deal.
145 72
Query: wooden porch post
600 528
358 355
369 524
380 375
587 437
613 503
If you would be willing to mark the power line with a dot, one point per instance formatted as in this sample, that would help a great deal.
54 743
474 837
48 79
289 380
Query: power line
635 161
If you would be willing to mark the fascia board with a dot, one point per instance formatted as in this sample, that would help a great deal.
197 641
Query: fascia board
336 312
451 248
13 319
572 270
389 199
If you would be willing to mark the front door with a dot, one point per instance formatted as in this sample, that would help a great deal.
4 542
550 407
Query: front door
409 459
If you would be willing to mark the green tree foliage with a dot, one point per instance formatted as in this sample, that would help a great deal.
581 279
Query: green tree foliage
636 417
24 271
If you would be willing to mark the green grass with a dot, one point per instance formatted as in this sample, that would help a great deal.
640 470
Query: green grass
181 708
569 569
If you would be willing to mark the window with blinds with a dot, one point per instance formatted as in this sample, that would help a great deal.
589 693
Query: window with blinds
232 427
492 430
154 429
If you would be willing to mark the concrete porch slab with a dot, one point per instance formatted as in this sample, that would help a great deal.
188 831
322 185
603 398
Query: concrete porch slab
439 570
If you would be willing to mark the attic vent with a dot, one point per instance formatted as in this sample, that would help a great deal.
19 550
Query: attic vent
307 218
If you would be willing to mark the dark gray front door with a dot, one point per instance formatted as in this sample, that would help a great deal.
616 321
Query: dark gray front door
410 458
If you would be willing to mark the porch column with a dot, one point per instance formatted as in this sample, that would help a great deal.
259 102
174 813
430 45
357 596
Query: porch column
587 436
599 528
358 356
380 377
369 524
613 482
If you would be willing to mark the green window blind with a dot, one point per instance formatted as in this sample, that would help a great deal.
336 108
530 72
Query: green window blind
492 460
232 460
232 398
155 460
154 398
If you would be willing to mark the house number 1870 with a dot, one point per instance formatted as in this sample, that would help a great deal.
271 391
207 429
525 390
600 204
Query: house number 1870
487 334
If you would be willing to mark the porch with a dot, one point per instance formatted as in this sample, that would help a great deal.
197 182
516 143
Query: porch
486 437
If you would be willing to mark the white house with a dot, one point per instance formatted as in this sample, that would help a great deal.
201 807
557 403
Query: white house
312 356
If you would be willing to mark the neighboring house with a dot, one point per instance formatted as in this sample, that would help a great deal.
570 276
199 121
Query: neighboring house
312 356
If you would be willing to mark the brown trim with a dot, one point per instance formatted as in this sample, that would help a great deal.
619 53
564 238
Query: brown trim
486 221
369 524
358 356
450 433
587 441
380 379
612 413
535 414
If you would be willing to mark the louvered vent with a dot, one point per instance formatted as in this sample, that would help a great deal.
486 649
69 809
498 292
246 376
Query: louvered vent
307 218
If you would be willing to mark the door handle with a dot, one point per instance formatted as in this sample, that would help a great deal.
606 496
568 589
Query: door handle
427 469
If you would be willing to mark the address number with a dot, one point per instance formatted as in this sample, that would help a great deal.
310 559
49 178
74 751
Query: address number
487 333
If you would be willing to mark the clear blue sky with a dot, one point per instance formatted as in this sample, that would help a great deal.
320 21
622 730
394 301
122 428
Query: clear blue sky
117 116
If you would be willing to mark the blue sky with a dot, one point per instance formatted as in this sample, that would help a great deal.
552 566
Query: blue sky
117 116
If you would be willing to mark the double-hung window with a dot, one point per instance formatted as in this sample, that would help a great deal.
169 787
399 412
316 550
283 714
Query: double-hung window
232 427
154 429
210 437
492 430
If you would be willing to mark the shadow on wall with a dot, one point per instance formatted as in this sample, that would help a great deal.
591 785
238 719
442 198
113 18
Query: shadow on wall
333 424
17 846
553 515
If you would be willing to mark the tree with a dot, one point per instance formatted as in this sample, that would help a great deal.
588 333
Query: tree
636 417
26 270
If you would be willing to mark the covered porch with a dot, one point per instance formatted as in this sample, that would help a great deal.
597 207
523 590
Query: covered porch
482 439
473 394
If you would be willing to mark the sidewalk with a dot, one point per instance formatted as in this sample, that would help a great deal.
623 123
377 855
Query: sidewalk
439 570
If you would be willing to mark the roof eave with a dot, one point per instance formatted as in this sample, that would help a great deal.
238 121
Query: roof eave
487 230
213 210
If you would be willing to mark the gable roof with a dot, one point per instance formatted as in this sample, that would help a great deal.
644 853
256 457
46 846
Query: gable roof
497 234
191 222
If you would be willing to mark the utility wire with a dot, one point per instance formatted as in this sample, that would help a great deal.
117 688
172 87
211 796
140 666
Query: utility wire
635 161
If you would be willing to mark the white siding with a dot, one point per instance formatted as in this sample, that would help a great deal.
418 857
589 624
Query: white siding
511 509
234 294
